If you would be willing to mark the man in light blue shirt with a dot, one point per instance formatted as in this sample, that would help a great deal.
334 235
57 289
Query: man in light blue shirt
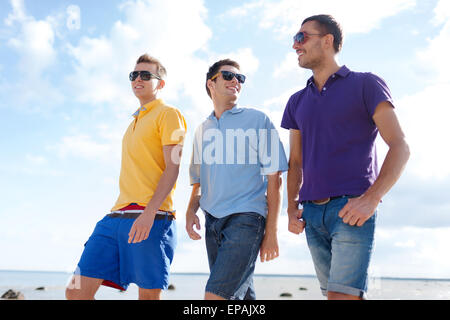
235 172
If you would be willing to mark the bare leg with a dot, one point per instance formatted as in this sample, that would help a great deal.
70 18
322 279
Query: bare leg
82 288
212 296
341 296
149 294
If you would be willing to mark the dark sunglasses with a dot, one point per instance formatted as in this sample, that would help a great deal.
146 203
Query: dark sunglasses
145 75
228 76
303 36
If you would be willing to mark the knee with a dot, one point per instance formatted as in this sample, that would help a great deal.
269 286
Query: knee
341 296
77 294
71 294
149 294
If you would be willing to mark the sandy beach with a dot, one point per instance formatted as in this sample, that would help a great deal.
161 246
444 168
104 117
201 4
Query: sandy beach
191 287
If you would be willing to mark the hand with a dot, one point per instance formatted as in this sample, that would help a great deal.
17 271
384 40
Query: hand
141 227
296 224
191 219
358 210
269 248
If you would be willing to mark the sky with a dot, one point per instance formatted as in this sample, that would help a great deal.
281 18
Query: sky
65 102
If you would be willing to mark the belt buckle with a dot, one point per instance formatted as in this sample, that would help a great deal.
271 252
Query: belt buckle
319 203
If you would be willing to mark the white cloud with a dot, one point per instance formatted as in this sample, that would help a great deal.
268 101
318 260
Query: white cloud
284 17
35 160
424 114
147 26
18 13
442 11
417 252
424 119
84 146
288 69
247 60
435 55
34 42
73 21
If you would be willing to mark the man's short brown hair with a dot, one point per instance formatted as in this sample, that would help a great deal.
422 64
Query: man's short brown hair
145 58
215 68
328 25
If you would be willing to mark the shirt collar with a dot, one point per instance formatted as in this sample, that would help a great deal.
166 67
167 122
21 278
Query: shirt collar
147 107
342 72
236 109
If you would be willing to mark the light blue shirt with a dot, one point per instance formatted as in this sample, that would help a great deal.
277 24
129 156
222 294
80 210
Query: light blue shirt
231 158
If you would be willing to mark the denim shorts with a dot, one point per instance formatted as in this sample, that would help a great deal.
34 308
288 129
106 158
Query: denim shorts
107 254
232 244
341 253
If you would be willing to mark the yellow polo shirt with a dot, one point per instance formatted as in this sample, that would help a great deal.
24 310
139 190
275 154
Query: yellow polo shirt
155 125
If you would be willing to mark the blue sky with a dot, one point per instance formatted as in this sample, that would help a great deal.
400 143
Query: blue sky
65 102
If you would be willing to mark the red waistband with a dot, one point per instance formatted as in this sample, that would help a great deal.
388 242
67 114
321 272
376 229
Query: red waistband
132 206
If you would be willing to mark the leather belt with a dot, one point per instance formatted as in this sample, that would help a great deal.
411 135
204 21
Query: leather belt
326 200
133 214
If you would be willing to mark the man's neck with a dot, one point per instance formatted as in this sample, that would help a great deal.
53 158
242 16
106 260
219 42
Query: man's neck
323 72
146 101
221 106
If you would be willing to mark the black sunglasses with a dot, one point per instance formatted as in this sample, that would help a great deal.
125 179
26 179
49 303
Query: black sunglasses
145 75
228 76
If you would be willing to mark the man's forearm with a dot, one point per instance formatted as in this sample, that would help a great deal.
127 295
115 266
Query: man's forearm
194 201
390 172
294 183
273 202
164 187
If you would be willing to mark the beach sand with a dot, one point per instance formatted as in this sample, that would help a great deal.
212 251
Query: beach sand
191 287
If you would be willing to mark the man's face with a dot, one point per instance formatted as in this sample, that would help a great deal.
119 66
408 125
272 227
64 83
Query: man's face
146 90
310 53
222 87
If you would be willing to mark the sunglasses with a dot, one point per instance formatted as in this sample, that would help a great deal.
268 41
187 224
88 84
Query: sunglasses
303 36
228 76
145 75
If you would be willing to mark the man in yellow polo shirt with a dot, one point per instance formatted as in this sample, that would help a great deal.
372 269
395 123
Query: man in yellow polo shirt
135 243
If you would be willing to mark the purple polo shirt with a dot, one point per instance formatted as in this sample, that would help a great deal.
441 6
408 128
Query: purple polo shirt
338 133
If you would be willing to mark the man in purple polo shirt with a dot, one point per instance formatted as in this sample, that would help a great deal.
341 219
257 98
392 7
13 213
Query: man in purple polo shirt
333 170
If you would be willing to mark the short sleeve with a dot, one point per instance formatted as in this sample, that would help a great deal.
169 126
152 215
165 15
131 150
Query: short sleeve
288 120
272 157
375 91
172 127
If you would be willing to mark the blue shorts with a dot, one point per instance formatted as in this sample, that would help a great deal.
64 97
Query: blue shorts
232 244
108 255
341 253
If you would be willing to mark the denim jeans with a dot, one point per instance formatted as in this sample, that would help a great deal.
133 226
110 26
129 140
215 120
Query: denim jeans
232 244
341 253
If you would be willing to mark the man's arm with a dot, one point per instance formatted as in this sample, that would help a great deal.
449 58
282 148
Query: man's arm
143 224
358 210
295 181
269 245
191 217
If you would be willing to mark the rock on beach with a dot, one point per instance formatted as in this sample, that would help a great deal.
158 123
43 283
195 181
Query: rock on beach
13 295
286 294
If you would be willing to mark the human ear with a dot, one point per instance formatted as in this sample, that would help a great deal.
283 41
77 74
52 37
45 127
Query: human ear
329 41
161 84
